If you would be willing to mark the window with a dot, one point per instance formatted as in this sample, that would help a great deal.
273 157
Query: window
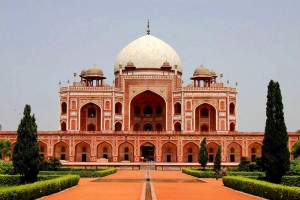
91 127
204 128
63 108
148 127
177 109
231 109
204 113
158 127
63 126
148 111
118 108
91 112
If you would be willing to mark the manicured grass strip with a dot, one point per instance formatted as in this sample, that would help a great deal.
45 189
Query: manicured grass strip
262 188
82 173
38 189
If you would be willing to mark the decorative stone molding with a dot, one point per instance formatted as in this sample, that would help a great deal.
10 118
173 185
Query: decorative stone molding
159 90
212 102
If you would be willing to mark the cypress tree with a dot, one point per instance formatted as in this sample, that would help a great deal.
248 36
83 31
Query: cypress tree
275 153
25 157
217 161
203 153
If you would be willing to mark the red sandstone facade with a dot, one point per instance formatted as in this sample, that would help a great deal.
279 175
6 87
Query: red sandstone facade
147 114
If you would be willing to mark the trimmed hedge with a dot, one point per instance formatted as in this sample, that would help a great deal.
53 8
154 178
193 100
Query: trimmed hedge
211 174
38 189
291 181
82 173
258 174
15 179
199 174
262 188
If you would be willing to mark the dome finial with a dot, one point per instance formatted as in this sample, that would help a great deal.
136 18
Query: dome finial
148 28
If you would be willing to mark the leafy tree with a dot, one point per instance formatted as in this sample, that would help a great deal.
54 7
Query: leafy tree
203 153
244 164
5 149
275 153
26 159
296 151
6 167
295 167
217 162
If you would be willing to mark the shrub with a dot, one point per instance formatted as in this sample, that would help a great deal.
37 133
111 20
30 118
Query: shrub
262 188
38 189
294 167
6 167
82 173
53 164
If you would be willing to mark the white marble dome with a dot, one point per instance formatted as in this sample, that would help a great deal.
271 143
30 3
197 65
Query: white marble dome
148 52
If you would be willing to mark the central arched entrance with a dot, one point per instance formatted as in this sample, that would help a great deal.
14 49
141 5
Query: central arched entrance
148 112
90 119
147 152
205 118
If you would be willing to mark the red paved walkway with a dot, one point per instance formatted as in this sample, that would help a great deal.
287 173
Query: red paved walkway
167 185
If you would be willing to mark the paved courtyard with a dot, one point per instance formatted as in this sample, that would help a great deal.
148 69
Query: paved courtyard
162 185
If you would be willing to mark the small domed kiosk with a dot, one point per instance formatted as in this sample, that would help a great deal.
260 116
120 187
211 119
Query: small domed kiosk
92 77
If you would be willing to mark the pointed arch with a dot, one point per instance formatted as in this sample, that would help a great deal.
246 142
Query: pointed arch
104 150
169 152
234 152
191 152
118 126
212 151
205 114
43 150
177 126
126 152
90 113
147 150
63 126
83 152
61 150
63 108
254 151
148 106
232 108
177 108
232 126
118 108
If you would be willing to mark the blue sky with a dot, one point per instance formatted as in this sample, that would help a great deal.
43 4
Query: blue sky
250 41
